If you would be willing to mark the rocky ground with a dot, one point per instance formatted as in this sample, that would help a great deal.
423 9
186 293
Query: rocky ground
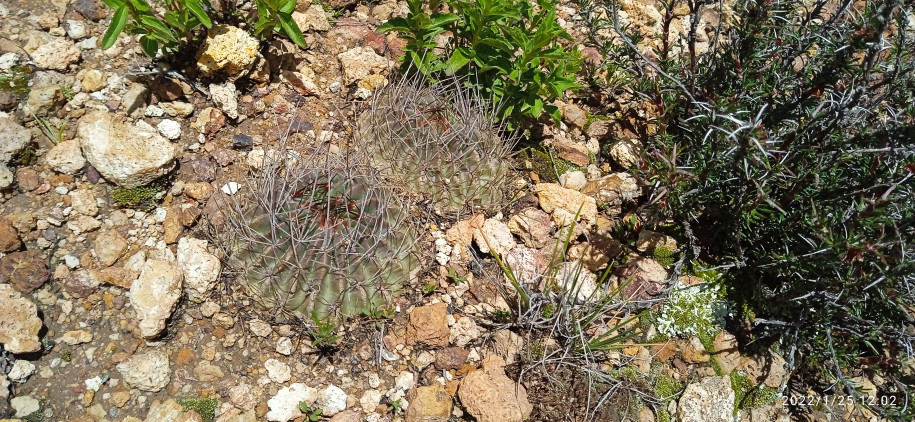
115 306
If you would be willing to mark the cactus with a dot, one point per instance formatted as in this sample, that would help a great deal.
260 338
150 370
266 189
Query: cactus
320 239
438 140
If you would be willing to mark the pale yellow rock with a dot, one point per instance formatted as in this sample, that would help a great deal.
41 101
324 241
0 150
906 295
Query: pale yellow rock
566 203
19 322
227 49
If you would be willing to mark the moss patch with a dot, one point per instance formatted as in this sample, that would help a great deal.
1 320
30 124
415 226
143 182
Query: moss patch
666 388
205 407
748 395
16 81
143 197
548 167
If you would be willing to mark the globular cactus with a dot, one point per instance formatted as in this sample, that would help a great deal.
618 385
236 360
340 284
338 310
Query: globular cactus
318 237
440 140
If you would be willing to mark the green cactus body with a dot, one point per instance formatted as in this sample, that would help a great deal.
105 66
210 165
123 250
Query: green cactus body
439 141
322 242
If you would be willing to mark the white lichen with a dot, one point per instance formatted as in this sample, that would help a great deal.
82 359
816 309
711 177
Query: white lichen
692 310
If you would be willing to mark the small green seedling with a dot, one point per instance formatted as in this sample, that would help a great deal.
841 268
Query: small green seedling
323 335
312 414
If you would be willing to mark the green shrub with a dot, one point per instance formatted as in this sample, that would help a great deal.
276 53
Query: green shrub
509 50
179 25
786 152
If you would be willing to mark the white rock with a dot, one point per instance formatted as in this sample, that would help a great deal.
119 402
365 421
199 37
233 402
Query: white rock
6 176
147 371
24 405
370 400
332 400
21 371
573 180
230 188
278 371
75 29
129 156
83 202
66 157
13 138
200 268
260 328
709 400
225 97
155 294
284 346
404 381
284 406
495 235
465 331
154 111
8 60
626 152
95 383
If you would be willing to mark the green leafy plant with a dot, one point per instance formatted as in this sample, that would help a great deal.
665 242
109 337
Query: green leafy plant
429 288
397 405
182 20
167 32
276 16
322 336
311 414
509 50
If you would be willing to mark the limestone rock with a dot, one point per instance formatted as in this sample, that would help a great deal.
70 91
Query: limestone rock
278 371
528 265
66 157
200 268
129 156
227 49
26 271
613 190
83 202
94 80
626 152
709 400
109 247
332 400
650 240
429 325
465 331
147 371
429 404
462 232
13 138
495 235
644 278
225 96
312 19
565 203
50 52
155 294
75 337
490 396
532 226
25 405
573 180
360 62
284 406
507 344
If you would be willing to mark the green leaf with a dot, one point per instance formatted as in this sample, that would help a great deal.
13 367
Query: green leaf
442 19
158 27
141 5
287 6
150 45
114 4
396 24
117 25
195 8
457 61
292 29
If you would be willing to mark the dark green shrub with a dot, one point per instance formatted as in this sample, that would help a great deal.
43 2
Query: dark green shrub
181 21
509 50
786 151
